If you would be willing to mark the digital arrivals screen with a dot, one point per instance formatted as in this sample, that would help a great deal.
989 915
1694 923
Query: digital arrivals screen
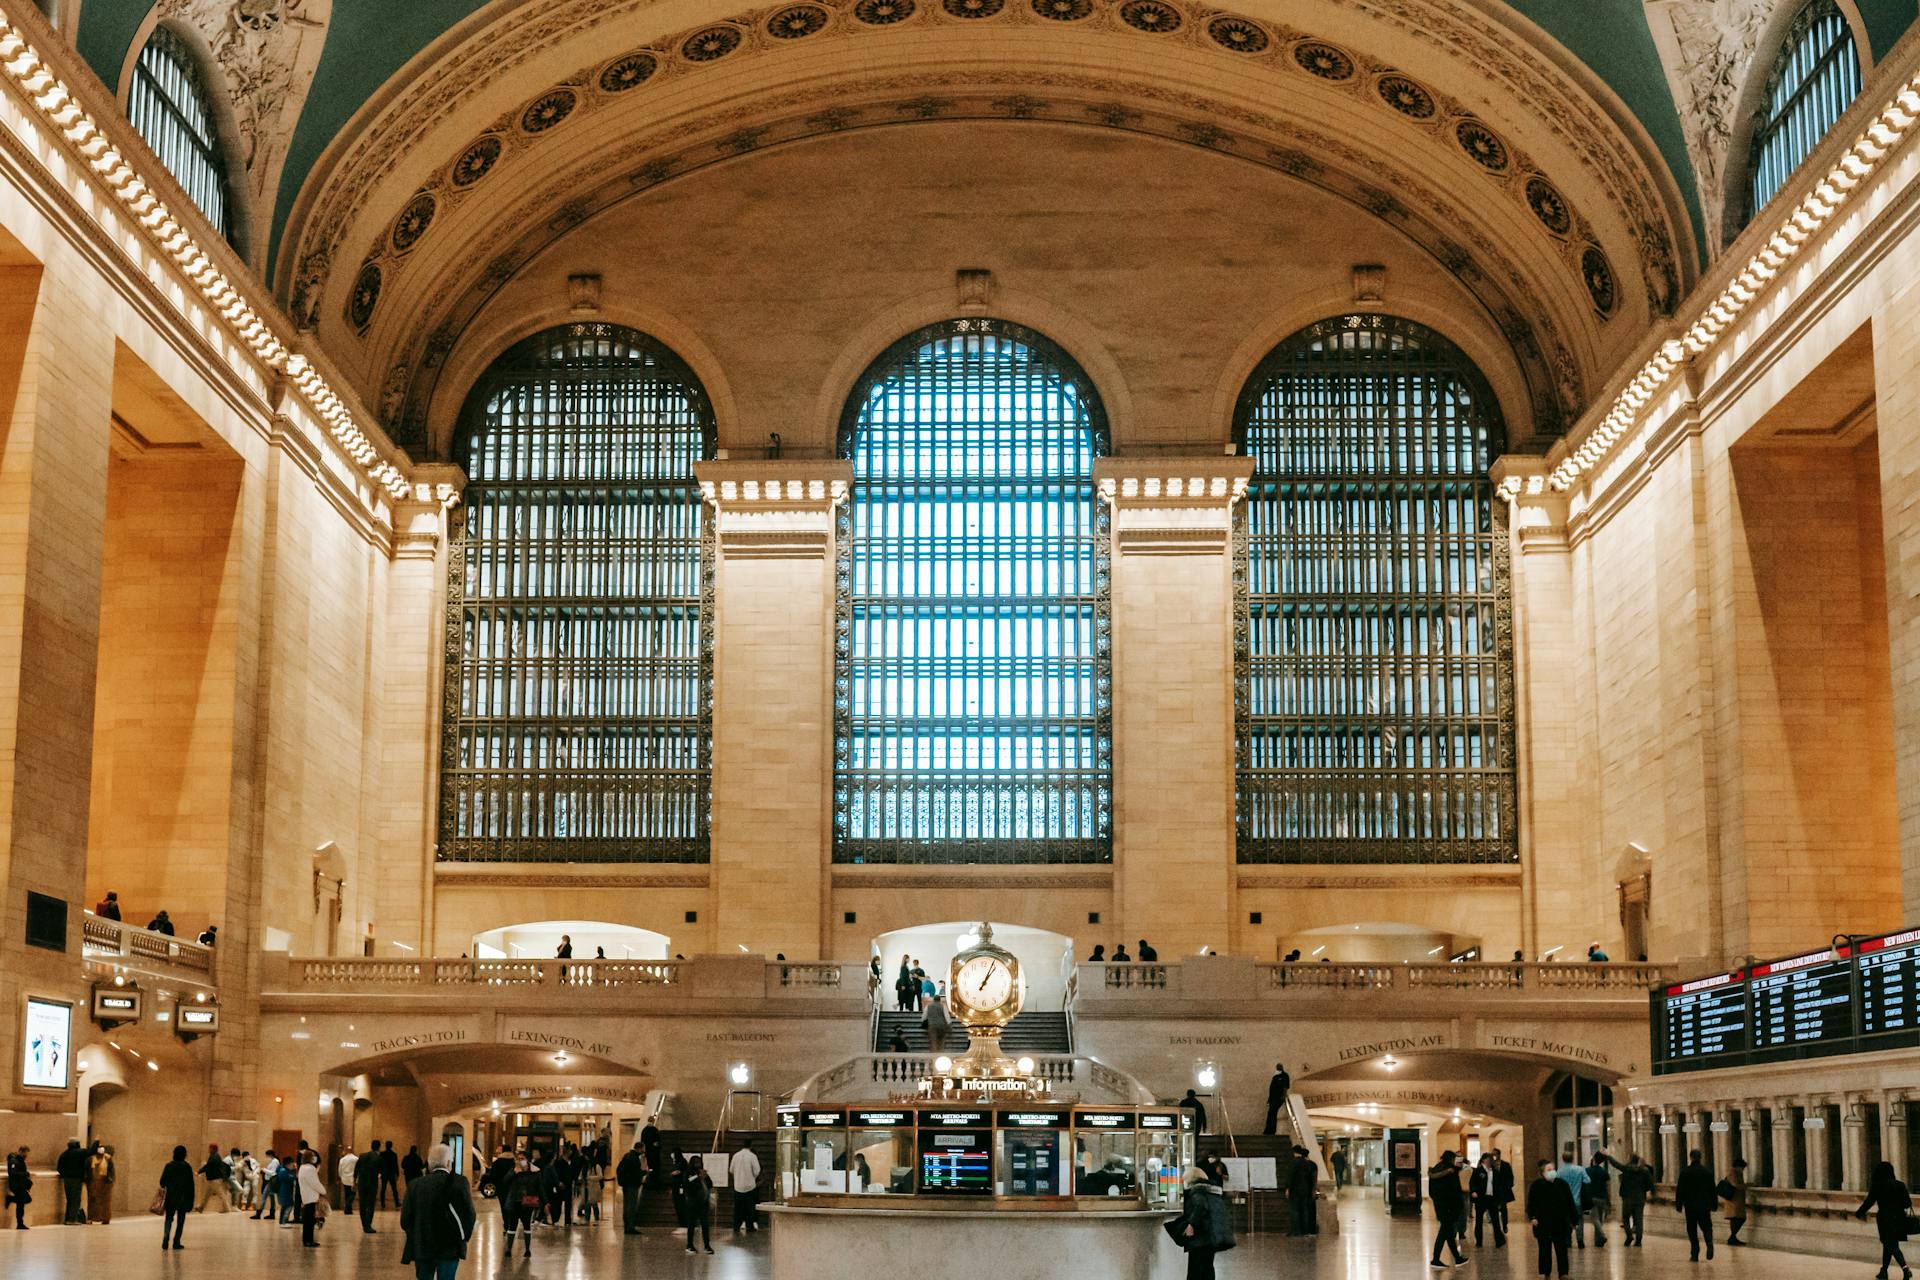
1801 1002
1704 1021
1890 986
956 1162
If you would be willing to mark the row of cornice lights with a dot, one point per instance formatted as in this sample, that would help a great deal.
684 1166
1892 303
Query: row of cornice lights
51 96
1806 221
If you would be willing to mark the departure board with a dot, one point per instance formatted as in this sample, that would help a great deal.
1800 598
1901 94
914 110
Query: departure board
1802 1005
1704 1022
1890 987
956 1162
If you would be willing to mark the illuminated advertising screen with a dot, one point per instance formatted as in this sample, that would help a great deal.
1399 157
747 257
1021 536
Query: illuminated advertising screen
46 1047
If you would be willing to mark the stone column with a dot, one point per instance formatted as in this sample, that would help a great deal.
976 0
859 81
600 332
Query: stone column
1174 619
412 685
1853 1144
1893 1144
1646 1132
1751 1136
1820 1174
1720 1131
56 401
1896 368
1672 1157
773 702
1783 1142
1558 903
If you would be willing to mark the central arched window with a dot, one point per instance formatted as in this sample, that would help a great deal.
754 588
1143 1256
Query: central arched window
169 104
1815 78
1374 696
973 658
579 656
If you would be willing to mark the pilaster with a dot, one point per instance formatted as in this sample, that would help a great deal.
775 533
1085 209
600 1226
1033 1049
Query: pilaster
773 628
1175 614
1896 371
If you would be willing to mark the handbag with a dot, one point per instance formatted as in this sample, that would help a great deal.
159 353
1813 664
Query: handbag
159 1205
1176 1229
1726 1190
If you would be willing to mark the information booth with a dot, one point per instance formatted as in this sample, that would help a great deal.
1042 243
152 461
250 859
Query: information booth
1121 1156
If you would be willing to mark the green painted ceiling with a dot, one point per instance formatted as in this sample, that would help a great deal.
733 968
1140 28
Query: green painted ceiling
370 40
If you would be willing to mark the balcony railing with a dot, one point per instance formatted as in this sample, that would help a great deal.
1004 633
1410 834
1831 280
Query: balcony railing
874 1076
122 945
1559 981
704 976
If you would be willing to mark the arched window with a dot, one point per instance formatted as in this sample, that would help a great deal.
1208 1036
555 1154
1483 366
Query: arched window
973 657
1374 692
169 104
1814 80
579 652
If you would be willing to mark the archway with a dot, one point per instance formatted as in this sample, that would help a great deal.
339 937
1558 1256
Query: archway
1378 942
1045 957
537 939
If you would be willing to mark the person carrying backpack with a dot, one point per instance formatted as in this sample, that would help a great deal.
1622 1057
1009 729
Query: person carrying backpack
437 1215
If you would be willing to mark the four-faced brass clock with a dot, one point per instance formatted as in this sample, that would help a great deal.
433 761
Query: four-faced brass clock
984 986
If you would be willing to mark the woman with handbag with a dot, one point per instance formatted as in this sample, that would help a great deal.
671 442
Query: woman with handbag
175 1200
521 1196
1888 1196
696 1203
1208 1227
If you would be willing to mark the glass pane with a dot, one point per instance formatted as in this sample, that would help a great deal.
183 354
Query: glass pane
168 104
1814 81
973 669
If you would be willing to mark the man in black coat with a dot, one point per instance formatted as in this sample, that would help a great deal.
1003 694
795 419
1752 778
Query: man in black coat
389 1166
1636 1184
650 1149
411 1165
1449 1206
1277 1097
1303 1180
1192 1103
631 1173
367 1176
1693 1195
1551 1213
437 1215
72 1170
1502 1188
176 1189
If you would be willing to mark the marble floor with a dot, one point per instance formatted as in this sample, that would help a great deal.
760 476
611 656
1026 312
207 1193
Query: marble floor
1368 1247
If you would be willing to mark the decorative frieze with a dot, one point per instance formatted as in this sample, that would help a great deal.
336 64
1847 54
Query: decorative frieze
771 509
1172 506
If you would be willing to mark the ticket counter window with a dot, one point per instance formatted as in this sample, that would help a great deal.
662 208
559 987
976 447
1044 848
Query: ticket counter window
1029 1156
880 1143
811 1154
1164 1149
1106 1158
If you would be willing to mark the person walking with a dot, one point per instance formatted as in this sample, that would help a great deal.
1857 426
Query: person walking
269 1170
214 1173
743 1176
437 1215
1892 1206
1599 1195
938 1024
1480 1188
630 1174
696 1203
1551 1213
411 1166
520 1202
312 1192
248 1172
1733 1201
1338 1163
1209 1230
176 1198
1693 1195
1503 1195
109 908
389 1176
1443 1189
1303 1184
286 1188
366 1184
71 1169
19 1187
100 1179
593 1185
1636 1184
1574 1175
1277 1097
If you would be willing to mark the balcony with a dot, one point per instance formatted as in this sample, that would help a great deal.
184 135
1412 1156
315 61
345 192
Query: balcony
1234 978
874 1076
113 948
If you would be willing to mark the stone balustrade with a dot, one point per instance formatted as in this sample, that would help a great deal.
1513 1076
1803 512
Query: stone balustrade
740 977
874 1076
1559 981
113 945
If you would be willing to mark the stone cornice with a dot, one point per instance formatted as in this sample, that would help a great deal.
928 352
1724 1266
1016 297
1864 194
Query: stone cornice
774 509
1167 484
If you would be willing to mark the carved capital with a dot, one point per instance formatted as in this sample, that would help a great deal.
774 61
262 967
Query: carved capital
774 509
1172 506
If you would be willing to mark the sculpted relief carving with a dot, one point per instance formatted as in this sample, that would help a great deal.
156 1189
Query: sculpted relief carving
1708 49
268 50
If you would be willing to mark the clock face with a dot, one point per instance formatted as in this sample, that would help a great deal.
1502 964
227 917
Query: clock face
983 982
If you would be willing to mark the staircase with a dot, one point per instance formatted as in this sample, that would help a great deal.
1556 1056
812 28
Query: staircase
1031 1031
656 1204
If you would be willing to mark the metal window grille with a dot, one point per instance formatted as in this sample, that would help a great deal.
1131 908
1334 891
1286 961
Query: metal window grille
973 648
169 105
1374 635
579 648
1813 82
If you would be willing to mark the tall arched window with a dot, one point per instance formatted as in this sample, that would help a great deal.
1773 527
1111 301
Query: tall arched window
1374 698
1815 78
973 657
169 104
579 651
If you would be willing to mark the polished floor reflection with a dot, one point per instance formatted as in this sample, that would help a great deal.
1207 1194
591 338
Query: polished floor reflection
1368 1247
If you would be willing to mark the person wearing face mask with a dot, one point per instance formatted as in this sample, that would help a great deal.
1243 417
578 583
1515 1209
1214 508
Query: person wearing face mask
520 1203
1551 1213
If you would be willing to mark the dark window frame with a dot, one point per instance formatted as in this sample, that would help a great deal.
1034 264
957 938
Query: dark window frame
170 104
1815 77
